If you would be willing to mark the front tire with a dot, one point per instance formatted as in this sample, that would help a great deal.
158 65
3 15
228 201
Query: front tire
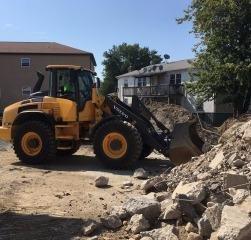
34 142
117 144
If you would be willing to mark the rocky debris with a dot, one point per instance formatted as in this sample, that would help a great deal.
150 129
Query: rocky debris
205 228
217 161
195 191
236 181
213 215
194 236
236 221
138 223
169 232
154 185
146 238
238 195
111 222
191 228
142 205
140 173
171 212
101 181
89 226
120 212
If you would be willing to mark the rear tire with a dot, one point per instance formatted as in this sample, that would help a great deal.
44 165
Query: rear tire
117 144
34 142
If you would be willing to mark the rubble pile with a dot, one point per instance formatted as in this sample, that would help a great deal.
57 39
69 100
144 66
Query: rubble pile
171 114
206 198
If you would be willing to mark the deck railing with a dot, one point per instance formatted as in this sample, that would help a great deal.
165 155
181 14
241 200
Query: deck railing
154 91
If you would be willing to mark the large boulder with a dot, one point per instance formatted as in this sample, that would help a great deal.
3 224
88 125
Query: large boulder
194 191
236 222
141 205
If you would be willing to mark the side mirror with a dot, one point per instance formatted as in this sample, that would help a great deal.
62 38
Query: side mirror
98 82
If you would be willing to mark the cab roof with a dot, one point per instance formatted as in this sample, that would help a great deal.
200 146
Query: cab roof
70 67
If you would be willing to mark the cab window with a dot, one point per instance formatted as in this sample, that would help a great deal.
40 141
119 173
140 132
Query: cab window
65 85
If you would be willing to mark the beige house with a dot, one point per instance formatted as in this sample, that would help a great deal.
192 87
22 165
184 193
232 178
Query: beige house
19 62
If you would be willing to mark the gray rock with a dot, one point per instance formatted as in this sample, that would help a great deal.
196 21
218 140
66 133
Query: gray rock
171 212
238 195
238 163
213 214
138 223
217 161
120 212
236 222
168 232
101 181
154 184
111 222
146 238
191 228
141 205
194 236
164 204
247 134
89 227
195 191
236 181
232 158
140 173
204 227
203 176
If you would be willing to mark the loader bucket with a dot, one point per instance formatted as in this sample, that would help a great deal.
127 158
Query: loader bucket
185 143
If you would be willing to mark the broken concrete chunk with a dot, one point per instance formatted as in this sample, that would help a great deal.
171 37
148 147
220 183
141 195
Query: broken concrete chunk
238 195
120 212
168 232
236 221
204 227
195 191
101 181
239 163
217 161
171 212
138 223
191 228
111 222
213 214
236 181
194 236
247 135
142 205
140 173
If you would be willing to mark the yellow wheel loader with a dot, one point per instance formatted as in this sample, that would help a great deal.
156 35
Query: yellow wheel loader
73 113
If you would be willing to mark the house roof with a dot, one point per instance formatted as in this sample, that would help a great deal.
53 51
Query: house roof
159 68
41 48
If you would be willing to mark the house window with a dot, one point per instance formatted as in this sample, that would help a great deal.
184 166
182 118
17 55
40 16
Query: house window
172 79
142 82
25 62
178 78
26 91
175 79
125 83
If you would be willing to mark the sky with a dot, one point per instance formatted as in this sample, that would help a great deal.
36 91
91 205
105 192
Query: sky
96 25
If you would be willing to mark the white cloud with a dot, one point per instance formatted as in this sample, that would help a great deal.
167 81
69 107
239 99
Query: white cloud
8 25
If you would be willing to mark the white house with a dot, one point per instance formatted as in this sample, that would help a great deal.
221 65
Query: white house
166 82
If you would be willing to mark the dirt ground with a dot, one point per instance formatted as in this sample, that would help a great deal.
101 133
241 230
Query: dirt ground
50 201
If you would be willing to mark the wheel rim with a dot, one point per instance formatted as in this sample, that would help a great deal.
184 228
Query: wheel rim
31 144
114 145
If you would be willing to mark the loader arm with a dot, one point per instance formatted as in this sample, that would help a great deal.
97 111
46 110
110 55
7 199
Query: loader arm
157 140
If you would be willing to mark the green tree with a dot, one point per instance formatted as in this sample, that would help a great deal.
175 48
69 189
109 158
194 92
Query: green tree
223 54
121 58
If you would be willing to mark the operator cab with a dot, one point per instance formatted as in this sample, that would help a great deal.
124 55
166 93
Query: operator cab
69 82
